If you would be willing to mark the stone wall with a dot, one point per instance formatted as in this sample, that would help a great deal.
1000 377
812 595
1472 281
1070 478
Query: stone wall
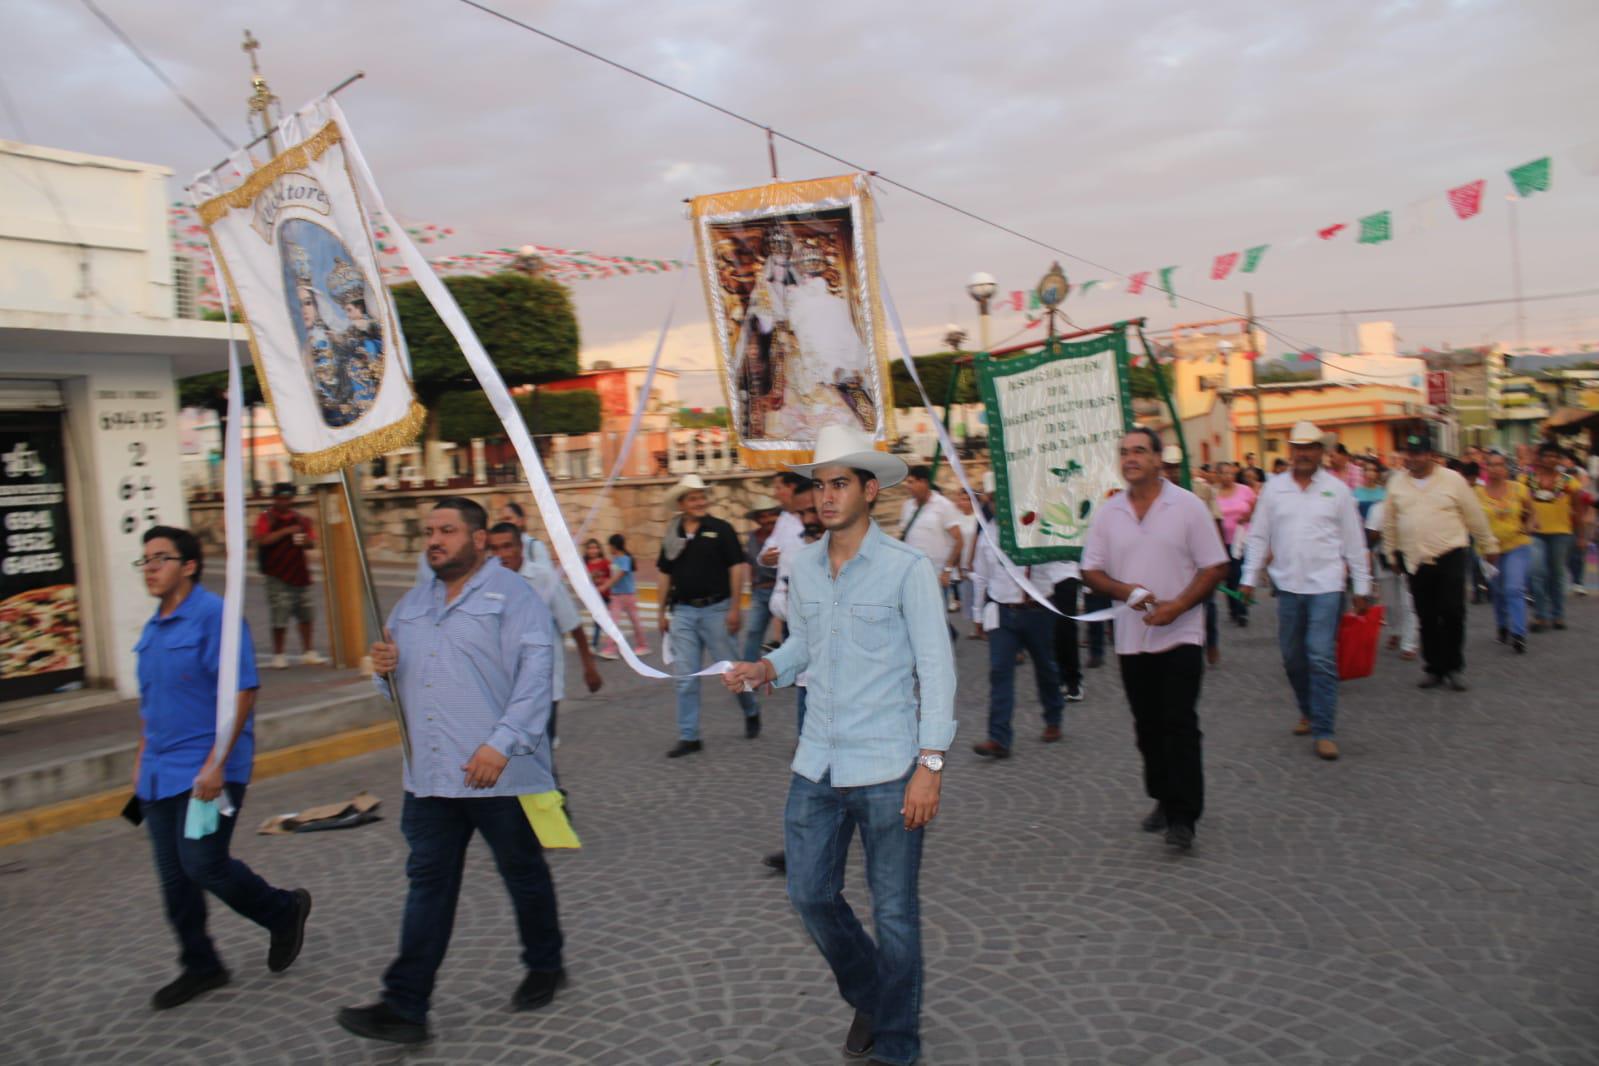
634 507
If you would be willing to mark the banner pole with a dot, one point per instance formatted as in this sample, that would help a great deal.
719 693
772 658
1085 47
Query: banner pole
1165 394
372 601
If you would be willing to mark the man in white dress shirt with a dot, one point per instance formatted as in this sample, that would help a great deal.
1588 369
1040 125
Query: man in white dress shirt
1306 533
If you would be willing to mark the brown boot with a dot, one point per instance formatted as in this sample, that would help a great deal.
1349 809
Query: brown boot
988 749
1326 749
1303 728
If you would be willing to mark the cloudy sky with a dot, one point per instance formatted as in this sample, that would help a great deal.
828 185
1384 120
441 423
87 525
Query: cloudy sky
1136 135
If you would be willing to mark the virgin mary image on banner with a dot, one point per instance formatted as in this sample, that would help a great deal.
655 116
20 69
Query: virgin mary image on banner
791 288
339 343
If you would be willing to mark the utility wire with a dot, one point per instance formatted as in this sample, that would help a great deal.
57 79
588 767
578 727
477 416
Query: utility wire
150 65
1434 307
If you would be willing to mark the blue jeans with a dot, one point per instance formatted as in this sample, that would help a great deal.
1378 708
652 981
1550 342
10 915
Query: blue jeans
188 869
1549 575
1021 628
1510 590
1307 634
882 979
438 829
756 623
698 631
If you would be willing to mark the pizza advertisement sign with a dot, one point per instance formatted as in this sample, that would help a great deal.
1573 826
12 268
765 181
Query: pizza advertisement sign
41 639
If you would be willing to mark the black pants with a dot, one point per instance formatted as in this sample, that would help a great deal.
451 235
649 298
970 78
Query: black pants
1439 589
1068 660
1237 610
1163 689
188 869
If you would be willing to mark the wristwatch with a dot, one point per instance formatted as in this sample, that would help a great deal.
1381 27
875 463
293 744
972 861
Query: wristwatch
934 762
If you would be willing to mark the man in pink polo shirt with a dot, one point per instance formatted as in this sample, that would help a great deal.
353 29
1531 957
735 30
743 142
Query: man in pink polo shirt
1155 549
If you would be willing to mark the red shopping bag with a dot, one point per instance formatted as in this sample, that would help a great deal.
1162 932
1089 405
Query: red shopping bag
1358 635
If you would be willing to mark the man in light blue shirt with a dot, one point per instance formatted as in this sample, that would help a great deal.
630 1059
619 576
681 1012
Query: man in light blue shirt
472 653
866 629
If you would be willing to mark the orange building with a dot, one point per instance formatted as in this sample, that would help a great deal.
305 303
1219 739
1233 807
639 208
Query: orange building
618 389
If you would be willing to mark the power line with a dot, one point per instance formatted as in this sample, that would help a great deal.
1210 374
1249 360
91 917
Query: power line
160 74
1434 307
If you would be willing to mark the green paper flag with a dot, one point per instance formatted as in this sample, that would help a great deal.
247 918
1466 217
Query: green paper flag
1082 290
1165 283
1374 229
1252 257
1530 177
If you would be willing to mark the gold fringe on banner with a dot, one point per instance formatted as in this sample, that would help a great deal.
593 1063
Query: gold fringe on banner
368 446
286 162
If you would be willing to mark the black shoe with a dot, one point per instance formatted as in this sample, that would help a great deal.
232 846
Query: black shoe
685 747
1520 644
1504 635
860 1039
1431 681
1095 662
752 726
1456 683
186 987
777 860
286 941
1074 692
1155 820
1180 837
1537 627
1558 625
379 1022
537 989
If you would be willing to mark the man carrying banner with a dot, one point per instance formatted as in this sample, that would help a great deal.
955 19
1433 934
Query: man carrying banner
471 653
702 579
866 632
1155 549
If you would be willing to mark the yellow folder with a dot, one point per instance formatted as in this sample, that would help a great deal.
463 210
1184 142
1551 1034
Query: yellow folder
546 813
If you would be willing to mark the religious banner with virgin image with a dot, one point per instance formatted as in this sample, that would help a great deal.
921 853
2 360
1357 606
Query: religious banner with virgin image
298 262
790 276
1055 422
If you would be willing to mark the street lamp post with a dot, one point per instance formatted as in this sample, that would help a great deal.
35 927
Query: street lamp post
982 287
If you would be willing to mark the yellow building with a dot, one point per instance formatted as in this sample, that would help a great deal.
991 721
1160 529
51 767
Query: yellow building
1369 401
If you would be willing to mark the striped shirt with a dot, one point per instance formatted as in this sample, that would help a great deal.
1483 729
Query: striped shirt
472 672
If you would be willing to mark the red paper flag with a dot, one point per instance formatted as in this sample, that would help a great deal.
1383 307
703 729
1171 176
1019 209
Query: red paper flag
1251 355
1135 284
1307 357
1467 199
1223 266
1018 300
1330 232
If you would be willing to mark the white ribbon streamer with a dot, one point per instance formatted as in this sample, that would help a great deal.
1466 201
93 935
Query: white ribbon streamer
233 545
510 416
638 408
1011 568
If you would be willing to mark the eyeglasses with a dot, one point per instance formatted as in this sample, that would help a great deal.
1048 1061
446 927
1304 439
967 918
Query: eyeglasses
156 560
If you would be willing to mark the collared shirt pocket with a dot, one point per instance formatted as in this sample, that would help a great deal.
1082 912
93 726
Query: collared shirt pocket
870 625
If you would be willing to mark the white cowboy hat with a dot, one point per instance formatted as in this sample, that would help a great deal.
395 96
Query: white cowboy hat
1306 432
688 483
988 482
845 445
760 504
1171 455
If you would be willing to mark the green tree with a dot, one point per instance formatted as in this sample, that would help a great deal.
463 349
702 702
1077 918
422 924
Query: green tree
712 419
1278 372
466 414
934 370
210 391
1141 379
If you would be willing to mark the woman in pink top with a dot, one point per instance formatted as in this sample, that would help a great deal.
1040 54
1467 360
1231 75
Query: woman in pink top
1236 501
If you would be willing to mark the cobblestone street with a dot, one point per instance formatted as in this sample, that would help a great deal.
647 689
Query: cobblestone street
1428 899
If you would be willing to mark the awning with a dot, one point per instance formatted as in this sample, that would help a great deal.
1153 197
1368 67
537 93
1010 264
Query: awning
1572 420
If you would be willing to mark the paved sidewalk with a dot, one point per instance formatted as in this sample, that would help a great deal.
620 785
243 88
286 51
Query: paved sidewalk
1429 899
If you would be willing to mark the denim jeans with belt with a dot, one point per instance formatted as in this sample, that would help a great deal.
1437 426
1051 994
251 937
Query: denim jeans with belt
881 978
1509 588
438 829
188 869
1307 635
1033 629
697 631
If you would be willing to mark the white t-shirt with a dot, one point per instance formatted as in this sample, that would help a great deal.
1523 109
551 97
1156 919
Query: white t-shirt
930 533
969 529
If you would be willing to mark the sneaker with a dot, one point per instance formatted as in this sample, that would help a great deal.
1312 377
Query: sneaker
379 1022
312 658
608 656
1074 693
1578 590
953 606
279 662
1180 837
642 649
287 941
186 987
1155 820
777 860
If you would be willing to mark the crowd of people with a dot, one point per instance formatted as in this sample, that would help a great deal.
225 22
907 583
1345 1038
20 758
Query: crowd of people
859 620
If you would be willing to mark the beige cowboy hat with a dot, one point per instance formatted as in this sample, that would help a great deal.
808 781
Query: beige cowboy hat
687 484
761 504
845 445
1171 455
1306 432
